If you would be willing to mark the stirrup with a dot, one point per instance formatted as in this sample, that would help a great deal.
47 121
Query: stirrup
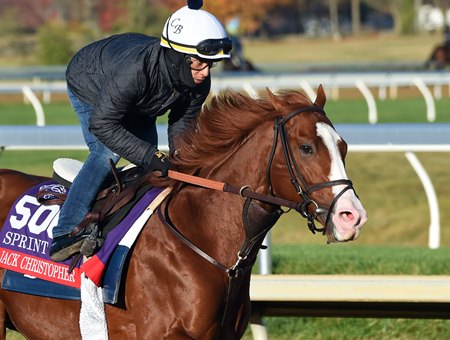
91 243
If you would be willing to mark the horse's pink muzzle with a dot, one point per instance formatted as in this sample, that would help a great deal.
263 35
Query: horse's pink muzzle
347 219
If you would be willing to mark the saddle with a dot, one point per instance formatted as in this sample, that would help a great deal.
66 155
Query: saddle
118 194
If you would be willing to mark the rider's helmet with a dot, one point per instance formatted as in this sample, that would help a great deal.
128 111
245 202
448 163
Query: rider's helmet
196 32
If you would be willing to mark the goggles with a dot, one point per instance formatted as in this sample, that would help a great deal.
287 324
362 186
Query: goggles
212 47
197 64
208 47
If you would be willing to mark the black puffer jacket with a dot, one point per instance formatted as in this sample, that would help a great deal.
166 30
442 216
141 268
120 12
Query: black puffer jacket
125 78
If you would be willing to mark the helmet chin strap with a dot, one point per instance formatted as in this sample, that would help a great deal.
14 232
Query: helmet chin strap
185 72
179 69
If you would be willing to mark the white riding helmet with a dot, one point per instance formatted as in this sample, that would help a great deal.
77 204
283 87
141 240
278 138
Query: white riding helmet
196 32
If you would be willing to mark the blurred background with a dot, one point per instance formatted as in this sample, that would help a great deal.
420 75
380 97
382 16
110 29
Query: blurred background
383 66
48 32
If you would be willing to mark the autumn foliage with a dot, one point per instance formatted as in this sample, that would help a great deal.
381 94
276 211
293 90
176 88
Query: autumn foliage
110 15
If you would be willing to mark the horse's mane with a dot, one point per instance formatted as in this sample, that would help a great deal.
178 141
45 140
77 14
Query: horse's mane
222 125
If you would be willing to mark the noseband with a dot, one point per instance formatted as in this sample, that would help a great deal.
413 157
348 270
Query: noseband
298 181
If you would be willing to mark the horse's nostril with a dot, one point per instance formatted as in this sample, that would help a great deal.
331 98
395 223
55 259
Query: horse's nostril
350 218
346 216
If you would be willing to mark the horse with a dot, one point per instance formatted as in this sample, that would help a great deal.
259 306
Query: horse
188 276
439 58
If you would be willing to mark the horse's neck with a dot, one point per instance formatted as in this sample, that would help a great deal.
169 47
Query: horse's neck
215 218
209 219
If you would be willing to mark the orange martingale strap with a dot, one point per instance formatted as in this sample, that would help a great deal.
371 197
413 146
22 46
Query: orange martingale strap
203 182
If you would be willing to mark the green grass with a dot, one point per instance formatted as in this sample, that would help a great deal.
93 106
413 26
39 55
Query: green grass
354 329
368 48
36 162
352 258
57 113
402 110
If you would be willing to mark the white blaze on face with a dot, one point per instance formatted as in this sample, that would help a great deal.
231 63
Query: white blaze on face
330 138
348 214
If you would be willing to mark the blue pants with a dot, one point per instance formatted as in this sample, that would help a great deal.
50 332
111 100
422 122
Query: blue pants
96 168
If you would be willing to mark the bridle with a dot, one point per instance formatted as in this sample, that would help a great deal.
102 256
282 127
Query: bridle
302 188
298 181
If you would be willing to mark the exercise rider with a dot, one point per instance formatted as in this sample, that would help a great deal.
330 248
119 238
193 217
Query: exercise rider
118 86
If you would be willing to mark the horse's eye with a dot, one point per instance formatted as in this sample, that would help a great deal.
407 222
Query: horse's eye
306 149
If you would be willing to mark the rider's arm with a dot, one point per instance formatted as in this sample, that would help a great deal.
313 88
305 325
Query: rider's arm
116 100
183 112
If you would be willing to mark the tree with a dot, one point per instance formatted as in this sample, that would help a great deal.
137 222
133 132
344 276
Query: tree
32 14
54 46
112 15
146 16
356 17
8 22
334 19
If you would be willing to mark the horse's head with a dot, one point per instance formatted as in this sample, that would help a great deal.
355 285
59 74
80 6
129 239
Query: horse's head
305 151
310 154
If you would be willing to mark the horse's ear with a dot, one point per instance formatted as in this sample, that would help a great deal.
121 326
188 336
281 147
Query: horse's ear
321 98
277 104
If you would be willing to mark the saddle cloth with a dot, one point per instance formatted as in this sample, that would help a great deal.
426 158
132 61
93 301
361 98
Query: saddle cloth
26 236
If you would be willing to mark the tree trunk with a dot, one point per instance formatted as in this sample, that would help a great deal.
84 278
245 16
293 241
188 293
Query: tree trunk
356 17
334 19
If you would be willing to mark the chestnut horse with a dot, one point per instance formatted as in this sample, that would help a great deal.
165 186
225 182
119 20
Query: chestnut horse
189 273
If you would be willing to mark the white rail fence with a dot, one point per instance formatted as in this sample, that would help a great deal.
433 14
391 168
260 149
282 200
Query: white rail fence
332 82
368 296
428 83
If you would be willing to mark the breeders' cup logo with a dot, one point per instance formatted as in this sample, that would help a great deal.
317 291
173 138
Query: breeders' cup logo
56 188
177 27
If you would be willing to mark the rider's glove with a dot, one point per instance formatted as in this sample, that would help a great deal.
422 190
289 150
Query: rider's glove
159 162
